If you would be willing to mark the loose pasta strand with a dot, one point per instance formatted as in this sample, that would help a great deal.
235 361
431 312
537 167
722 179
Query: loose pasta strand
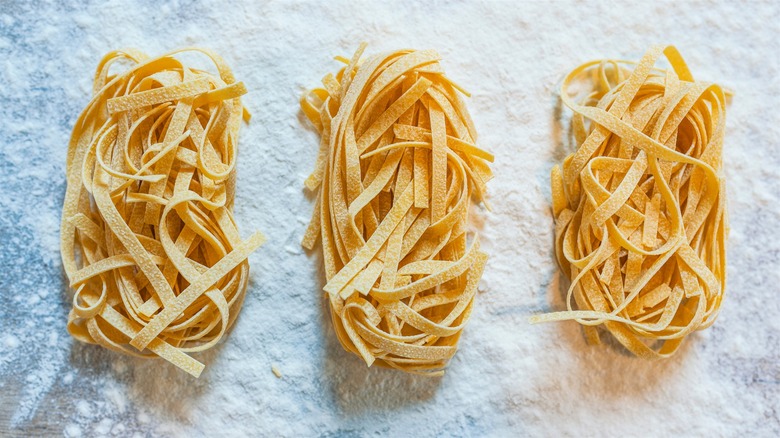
397 168
148 239
639 207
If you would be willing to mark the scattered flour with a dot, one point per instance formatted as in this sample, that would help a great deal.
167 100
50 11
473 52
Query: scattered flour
11 341
509 378
72 431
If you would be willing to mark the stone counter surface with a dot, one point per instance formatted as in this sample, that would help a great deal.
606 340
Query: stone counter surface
509 378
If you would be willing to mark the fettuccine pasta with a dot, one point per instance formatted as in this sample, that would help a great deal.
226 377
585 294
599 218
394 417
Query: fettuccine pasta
148 239
640 205
397 168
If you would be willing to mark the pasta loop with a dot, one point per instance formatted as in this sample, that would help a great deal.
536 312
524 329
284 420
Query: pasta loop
148 238
396 172
640 210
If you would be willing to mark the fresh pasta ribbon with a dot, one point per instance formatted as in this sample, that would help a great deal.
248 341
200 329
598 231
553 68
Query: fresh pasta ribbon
397 168
640 212
148 239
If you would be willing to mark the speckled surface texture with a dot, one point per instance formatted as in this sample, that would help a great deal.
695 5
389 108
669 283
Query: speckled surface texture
509 378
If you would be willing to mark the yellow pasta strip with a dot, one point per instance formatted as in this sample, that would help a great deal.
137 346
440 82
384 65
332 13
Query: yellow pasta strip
231 91
397 168
372 246
158 95
639 207
369 276
160 348
101 266
421 178
195 289
414 133
135 292
651 221
439 162
391 114
87 226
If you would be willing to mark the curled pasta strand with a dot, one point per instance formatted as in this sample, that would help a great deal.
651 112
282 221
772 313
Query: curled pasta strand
397 168
148 238
639 207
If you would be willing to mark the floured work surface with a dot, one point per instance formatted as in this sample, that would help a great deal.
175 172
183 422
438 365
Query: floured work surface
508 377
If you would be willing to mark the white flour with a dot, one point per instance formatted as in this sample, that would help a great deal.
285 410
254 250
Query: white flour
509 378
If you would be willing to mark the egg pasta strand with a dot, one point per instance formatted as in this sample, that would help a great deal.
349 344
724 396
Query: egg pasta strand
397 168
148 239
639 207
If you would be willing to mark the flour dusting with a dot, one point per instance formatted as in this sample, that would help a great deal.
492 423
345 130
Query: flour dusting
509 378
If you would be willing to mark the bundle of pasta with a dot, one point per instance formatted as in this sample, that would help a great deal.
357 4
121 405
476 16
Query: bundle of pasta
395 175
148 238
640 205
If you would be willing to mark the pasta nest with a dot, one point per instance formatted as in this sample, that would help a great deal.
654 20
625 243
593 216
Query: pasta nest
397 168
640 210
148 238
